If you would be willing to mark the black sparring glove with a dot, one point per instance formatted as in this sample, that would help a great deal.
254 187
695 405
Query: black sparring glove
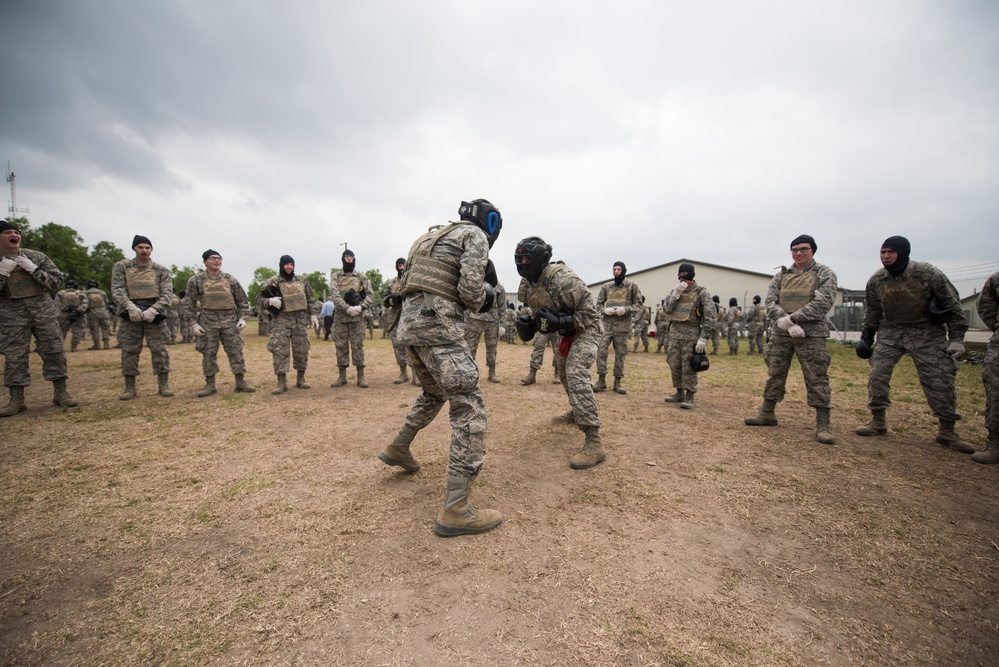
490 298
865 346
353 297
491 273
549 322
526 328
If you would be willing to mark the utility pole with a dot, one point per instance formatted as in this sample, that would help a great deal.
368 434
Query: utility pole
13 210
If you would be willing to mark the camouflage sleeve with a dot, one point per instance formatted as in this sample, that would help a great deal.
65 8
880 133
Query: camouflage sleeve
474 254
338 303
823 299
500 301
571 292
522 291
166 288
709 319
310 299
242 301
48 274
192 296
119 292
948 299
369 294
988 301
636 301
774 311
669 304
873 311
602 297
84 302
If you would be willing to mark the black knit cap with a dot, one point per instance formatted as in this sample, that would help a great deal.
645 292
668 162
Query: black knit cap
5 225
805 238
899 244
686 271
208 253
139 238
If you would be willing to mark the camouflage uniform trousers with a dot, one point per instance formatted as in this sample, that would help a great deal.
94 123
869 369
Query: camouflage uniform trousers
574 372
130 336
733 339
755 338
935 368
662 338
620 340
220 326
289 330
100 327
186 323
678 356
18 322
541 341
449 374
263 324
990 378
813 355
716 337
173 324
473 333
641 334
79 327
349 340
401 351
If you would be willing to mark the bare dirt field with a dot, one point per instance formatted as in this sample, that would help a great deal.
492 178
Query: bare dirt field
263 530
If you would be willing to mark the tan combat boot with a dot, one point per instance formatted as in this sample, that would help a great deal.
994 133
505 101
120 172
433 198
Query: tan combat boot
398 454
675 398
241 386
60 396
764 416
209 388
991 452
592 452
16 403
492 375
342 379
459 516
300 381
164 385
531 377
282 384
129 392
823 432
688 400
403 376
601 384
360 378
948 437
617 386
877 426
565 418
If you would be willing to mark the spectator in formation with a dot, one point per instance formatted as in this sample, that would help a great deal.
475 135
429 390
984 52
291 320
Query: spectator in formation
292 309
734 318
691 313
352 296
73 305
756 317
619 301
98 317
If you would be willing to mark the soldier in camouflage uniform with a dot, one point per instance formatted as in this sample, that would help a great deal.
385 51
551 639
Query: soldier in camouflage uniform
392 309
352 297
798 300
263 316
186 319
721 329
662 327
509 324
988 310
734 318
755 320
619 301
488 323
913 308
73 306
446 273
564 309
143 291
541 341
27 278
98 318
642 327
173 320
691 314
220 308
292 309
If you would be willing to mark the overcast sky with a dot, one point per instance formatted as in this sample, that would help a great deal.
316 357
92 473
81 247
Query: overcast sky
632 131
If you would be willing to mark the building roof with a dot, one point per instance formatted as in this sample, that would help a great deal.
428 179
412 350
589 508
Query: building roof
696 263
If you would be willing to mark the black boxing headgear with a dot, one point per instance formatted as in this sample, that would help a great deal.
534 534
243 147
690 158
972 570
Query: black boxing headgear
91 283
901 245
532 256
805 238
141 239
624 271
483 215
686 271
71 283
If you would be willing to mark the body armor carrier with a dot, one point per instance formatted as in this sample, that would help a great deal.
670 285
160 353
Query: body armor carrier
142 284
428 274
292 296
685 308
617 296
21 285
70 300
217 294
796 289
537 295
95 300
905 300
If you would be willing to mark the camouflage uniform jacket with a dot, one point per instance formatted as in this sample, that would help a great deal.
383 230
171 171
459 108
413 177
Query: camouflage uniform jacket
442 321
97 301
493 314
339 305
311 305
632 301
32 308
565 291
924 281
70 298
390 316
119 287
811 316
988 304
194 295
702 320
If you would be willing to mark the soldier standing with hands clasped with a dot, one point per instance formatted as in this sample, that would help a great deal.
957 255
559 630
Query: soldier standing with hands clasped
293 308
352 295
619 300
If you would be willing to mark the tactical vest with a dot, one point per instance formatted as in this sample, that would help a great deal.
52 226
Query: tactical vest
647 315
538 295
617 296
738 314
906 301
21 285
70 299
685 306
141 283
721 312
348 281
217 294
429 274
797 289
293 296
96 300
758 316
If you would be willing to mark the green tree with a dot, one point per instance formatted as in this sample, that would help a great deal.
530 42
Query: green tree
320 286
103 256
260 274
375 276
181 276
63 246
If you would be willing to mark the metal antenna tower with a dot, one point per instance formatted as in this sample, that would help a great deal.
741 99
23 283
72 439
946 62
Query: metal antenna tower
13 210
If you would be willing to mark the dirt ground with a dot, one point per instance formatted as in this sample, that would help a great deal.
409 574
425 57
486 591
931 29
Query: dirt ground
263 530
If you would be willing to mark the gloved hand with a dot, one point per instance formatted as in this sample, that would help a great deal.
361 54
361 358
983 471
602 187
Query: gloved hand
491 277
549 322
354 311
700 346
610 310
796 331
679 289
315 322
25 263
6 266
240 324
199 330
274 302
134 313
785 323
620 311
149 314
955 349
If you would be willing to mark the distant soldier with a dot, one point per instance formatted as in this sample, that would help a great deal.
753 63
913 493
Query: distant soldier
487 324
390 322
721 328
691 315
509 320
618 302
186 319
27 278
913 309
73 306
352 297
263 316
642 326
98 317
798 300
662 327
447 272
220 308
143 291
564 309
734 320
988 310
292 309
173 320
756 318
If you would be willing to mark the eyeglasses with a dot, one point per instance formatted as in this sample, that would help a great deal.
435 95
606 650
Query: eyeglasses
805 248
